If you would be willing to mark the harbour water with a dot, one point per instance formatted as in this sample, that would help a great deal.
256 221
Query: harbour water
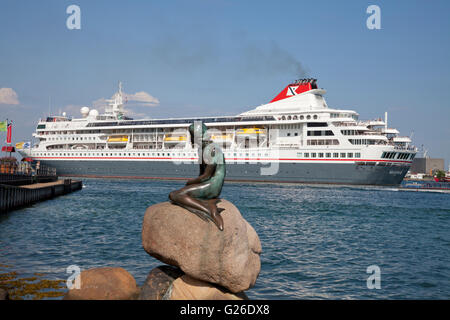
318 240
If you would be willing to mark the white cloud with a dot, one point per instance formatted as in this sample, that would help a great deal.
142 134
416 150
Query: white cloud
99 104
138 99
143 99
8 96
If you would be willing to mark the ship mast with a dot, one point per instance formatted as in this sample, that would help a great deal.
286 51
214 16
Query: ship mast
115 105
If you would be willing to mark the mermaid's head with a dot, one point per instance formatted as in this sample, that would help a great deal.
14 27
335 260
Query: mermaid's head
198 131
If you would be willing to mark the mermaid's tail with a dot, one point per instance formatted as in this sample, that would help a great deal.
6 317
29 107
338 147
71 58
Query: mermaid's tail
212 214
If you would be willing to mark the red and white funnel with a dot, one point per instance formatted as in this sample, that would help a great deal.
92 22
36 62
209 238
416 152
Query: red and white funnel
295 88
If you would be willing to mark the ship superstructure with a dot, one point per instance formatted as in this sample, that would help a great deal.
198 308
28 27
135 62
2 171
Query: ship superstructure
294 138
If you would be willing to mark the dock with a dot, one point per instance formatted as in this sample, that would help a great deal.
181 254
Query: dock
13 197
425 186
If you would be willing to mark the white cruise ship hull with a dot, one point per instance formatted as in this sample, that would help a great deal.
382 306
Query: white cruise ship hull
327 173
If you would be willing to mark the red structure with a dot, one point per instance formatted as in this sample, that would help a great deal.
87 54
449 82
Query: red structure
296 88
9 133
8 149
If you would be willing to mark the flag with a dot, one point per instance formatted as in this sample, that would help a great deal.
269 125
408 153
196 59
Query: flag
3 125
9 133
23 145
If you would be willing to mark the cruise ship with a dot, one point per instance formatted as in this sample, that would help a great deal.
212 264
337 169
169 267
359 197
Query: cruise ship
295 138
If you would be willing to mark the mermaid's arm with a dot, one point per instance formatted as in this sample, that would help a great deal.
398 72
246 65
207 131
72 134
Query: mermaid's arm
209 171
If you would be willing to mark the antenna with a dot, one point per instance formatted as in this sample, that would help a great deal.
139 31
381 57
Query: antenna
49 105
385 121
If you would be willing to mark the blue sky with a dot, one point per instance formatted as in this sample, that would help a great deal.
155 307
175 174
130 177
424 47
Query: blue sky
225 57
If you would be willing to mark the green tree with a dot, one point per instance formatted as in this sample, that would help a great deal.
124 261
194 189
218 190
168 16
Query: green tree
440 174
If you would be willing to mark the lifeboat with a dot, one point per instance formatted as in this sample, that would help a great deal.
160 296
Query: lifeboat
118 139
175 138
222 137
250 132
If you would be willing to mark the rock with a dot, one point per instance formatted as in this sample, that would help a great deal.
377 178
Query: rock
104 284
158 282
188 288
229 258
4 294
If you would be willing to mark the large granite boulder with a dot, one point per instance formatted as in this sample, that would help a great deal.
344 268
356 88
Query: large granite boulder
104 284
229 258
188 288
158 282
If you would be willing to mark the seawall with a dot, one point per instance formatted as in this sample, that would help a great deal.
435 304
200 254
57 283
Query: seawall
14 197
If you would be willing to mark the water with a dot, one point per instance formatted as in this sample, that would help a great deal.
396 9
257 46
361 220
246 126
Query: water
317 240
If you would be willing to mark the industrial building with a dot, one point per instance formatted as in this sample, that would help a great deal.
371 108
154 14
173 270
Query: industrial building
427 165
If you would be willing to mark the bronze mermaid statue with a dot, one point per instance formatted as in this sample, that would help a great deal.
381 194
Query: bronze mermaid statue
200 195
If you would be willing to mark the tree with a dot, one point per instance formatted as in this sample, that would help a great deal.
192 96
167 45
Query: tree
440 174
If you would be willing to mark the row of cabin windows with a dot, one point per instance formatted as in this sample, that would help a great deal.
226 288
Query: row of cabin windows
323 142
289 126
73 138
344 115
301 117
329 155
136 137
400 155
388 155
362 141
113 131
318 133
316 124
405 156
352 132
120 154
305 155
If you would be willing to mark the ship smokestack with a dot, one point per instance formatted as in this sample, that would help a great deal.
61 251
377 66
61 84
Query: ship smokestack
296 87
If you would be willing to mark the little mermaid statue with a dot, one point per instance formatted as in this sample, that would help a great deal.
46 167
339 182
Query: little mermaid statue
200 195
